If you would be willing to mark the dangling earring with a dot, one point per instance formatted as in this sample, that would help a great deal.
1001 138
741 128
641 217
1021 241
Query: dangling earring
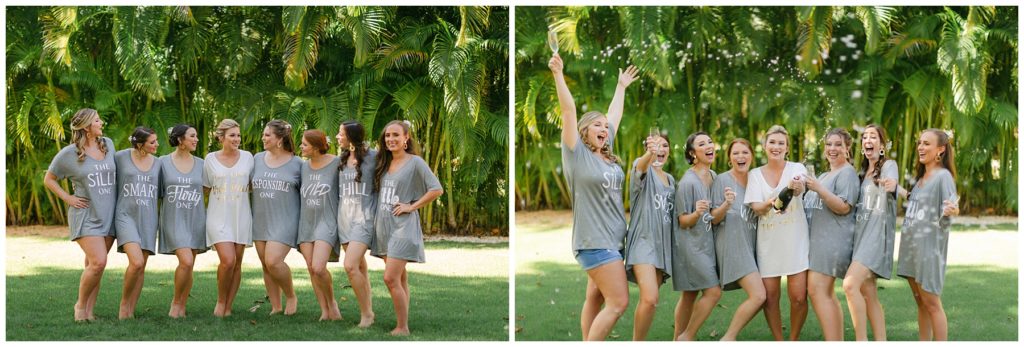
351 147
405 145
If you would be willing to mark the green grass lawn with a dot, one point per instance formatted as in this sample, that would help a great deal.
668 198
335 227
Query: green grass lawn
980 300
39 307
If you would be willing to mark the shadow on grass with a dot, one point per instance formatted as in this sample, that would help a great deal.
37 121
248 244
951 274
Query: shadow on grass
980 303
39 307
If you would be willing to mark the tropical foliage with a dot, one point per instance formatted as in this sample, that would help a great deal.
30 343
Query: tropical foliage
445 69
735 71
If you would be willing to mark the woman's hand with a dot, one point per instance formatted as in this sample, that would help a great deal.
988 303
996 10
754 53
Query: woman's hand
402 208
651 144
730 196
797 185
812 183
77 202
625 77
888 184
555 64
949 208
702 207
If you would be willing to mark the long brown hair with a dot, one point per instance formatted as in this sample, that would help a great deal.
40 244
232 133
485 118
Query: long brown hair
883 139
356 136
80 123
947 156
384 156
283 131
317 139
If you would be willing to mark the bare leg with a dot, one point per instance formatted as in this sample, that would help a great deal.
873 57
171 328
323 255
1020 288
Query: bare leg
684 310
225 276
820 289
772 307
856 278
876 315
752 284
931 304
796 287
355 267
108 241
281 274
273 291
236 280
591 307
648 278
321 252
182 281
701 311
95 262
394 272
611 281
132 274
307 250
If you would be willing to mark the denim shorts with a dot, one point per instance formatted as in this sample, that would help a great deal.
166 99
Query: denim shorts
592 258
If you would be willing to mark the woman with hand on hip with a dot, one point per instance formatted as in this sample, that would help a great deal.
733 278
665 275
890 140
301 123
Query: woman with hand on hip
595 179
873 235
88 162
318 223
782 234
182 214
226 176
135 217
357 207
924 241
648 253
735 227
829 206
275 183
693 244
406 184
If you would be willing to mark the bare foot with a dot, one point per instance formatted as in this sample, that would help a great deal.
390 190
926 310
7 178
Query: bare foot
334 313
400 332
272 312
291 305
366 321
81 315
323 316
684 337
218 311
125 313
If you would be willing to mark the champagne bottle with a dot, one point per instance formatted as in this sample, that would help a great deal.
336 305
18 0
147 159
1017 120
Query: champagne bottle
785 196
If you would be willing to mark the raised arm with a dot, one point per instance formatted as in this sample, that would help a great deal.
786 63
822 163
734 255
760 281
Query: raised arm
565 103
644 162
619 99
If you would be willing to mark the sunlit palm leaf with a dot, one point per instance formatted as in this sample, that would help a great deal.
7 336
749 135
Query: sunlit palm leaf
365 24
814 38
304 26
876 21
59 23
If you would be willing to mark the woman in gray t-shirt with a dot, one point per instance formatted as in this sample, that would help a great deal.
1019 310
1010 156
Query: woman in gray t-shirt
135 217
735 227
595 179
405 184
318 220
873 235
924 241
88 162
357 207
648 252
828 205
182 214
693 267
276 178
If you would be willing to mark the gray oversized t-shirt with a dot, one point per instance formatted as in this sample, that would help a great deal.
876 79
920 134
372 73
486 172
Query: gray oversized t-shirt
90 179
182 214
275 200
924 241
401 237
357 203
649 236
319 216
693 260
874 234
831 234
135 217
598 215
735 235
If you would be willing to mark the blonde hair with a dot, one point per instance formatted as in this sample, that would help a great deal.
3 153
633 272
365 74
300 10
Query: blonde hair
776 129
223 128
79 124
582 127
